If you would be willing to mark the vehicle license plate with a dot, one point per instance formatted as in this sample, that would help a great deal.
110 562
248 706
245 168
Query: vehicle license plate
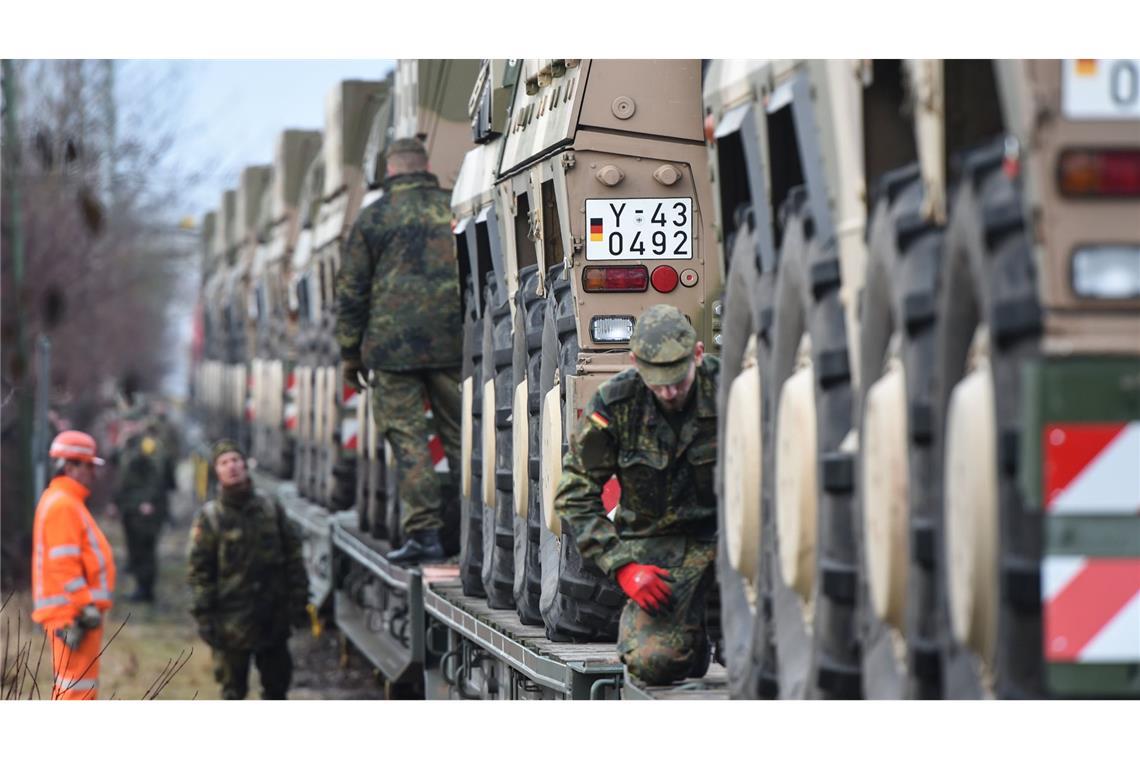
624 229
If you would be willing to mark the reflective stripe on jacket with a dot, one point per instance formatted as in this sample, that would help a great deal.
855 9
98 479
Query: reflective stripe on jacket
72 565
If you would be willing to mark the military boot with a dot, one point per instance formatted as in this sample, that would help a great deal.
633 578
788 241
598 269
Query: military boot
421 546
701 661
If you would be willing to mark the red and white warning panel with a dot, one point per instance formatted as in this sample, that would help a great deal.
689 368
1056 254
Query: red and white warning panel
1091 609
435 445
349 427
1092 469
291 402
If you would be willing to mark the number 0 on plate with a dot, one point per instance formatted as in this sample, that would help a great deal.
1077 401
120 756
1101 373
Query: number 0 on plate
638 229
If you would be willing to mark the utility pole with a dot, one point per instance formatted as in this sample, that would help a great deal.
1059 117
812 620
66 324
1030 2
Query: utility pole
19 366
40 423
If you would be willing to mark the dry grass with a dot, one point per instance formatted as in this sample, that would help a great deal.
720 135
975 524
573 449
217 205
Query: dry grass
157 639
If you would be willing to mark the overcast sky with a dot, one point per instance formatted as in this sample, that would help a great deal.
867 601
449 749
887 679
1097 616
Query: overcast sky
232 111
226 115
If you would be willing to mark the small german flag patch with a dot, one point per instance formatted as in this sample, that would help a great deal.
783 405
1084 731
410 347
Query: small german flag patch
599 420
595 229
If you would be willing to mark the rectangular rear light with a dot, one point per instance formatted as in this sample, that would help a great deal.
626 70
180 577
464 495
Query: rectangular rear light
605 279
1108 173
617 329
1107 271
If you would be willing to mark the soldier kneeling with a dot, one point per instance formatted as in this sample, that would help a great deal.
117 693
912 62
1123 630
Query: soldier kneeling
655 427
247 579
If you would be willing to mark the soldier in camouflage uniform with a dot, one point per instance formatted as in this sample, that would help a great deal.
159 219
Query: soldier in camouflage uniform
144 477
654 426
247 581
398 315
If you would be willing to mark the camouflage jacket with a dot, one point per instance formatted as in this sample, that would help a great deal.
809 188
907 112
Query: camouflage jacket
398 285
666 479
143 473
247 576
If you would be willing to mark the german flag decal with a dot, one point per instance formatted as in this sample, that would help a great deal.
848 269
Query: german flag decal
595 229
599 420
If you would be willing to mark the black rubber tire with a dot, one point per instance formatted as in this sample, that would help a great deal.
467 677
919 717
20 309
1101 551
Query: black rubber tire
528 322
744 626
471 509
578 602
822 662
988 275
498 518
899 295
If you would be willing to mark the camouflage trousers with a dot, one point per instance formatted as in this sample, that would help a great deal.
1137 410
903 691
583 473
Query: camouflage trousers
669 646
398 408
274 667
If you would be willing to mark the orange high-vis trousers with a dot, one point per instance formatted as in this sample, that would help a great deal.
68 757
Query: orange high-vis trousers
76 670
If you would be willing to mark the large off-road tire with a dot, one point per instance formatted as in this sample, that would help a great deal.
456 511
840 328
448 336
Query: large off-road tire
471 505
578 602
498 508
745 597
989 316
894 527
814 577
528 321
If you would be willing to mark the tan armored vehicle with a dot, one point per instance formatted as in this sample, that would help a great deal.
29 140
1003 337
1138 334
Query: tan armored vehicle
912 247
325 400
275 408
599 210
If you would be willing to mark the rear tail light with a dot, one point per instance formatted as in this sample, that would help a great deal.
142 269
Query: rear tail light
664 279
1099 173
634 279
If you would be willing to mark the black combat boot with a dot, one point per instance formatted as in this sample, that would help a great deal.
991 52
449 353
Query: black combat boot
421 546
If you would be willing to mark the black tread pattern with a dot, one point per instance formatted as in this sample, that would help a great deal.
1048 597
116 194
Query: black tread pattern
527 357
578 602
990 277
498 518
901 292
822 661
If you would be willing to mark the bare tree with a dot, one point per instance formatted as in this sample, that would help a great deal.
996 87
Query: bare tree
104 259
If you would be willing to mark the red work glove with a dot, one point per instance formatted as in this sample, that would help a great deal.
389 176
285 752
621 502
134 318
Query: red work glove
648 585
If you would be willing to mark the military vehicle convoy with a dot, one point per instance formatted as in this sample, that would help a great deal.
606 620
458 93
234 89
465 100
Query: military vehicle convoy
922 277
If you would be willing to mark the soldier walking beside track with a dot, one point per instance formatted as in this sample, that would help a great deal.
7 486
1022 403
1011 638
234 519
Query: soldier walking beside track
398 315
655 427
144 478
247 581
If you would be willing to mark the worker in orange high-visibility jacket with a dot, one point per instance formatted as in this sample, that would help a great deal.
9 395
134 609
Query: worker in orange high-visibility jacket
73 572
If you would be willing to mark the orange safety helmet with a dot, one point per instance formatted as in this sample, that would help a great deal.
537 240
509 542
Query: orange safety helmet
74 445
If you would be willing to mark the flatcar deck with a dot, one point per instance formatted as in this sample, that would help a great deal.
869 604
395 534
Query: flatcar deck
571 669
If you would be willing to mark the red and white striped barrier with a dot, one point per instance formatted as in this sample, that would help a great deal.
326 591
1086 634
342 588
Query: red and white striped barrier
1091 609
349 427
1092 469
291 401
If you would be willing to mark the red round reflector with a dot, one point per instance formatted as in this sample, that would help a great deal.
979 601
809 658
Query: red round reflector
664 279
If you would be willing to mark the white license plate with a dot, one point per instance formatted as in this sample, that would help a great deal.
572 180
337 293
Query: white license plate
640 229
1099 88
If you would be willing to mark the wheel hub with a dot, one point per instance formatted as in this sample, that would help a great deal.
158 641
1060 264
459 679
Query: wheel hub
520 450
742 471
551 457
886 494
796 480
488 434
970 499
